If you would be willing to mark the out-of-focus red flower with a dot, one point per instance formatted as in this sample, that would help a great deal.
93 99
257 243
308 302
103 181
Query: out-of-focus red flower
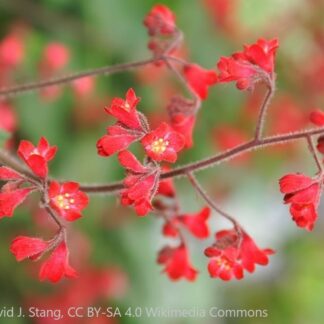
36 157
55 56
176 263
232 253
11 51
160 21
163 143
196 223
223 12
199 79
8 120
57 266
23 247
67 199
141 183
166 186
320 144
226 137
254 63
303 193
317 117
83 87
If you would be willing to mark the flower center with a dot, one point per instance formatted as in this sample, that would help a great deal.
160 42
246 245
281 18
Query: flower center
64 201
127 106
221 261
159 146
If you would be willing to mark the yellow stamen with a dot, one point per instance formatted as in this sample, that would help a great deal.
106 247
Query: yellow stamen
159 146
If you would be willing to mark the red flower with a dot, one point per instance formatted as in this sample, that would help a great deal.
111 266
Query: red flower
37 157
231 254
196 223
10 199
166 187
320 144
56 56
303 193
184 125
125 110
7 174
255 63
224 264
199 79
177 263
23 247
317 117
160 21
11 51
141 183
67 199
8 121
163 143
117 139
57 266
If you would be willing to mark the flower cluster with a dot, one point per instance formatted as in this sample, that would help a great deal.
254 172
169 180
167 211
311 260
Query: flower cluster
303 195
62 199
255 63
233 252
161 144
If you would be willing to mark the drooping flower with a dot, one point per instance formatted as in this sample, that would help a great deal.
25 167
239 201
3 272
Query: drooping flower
199 79
224 263
57 266
141 183
23 247
182 113
196 223
160 21
67 199
176 263
232 253
118 138
303 193
37 157
125 110
317 117
10 199
254 63
163 143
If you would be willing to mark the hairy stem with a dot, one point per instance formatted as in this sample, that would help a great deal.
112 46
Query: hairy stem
263 110
215 159
312 149
209 200
27 87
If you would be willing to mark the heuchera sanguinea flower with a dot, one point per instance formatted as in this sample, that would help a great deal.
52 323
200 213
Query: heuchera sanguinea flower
67 199
125 110
23 247
303 193
10 199
56 56
36 157
163 143
176 263
118 138
160 21
128 129
141 183
254 63
230 255
184 125
199 79
196 223
317 117
11 51
57 266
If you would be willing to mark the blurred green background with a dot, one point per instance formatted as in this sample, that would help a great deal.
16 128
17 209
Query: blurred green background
104 32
